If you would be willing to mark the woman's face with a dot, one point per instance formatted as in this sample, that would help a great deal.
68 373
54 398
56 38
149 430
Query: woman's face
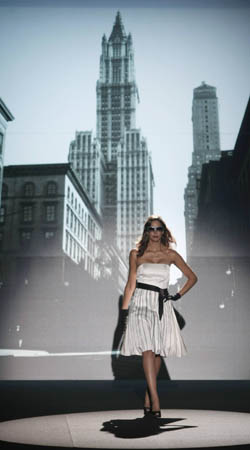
155 231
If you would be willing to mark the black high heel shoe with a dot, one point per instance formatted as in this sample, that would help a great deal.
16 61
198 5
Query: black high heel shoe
156 414
147 410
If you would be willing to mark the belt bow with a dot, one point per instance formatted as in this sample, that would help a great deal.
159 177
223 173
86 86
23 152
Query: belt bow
163 294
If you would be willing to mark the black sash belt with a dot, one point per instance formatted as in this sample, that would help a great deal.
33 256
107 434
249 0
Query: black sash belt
163 294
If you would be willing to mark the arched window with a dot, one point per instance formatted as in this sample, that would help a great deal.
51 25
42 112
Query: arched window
1 143
29 189
51 188
4 190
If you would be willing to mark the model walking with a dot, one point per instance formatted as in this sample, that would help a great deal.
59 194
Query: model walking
150 325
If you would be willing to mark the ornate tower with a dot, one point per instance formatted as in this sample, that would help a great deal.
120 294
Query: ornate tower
116 90
116 106
115 168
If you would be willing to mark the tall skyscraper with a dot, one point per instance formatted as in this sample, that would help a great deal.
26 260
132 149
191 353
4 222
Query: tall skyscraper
135 189
206 144
126 169
87 160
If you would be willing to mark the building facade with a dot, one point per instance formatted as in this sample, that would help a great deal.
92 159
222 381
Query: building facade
206 147
47 216
218 309
117 96
57 275
5 117
87 160
135 186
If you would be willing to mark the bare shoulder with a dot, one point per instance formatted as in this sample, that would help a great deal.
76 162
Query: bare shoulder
133 255
172 254
132 262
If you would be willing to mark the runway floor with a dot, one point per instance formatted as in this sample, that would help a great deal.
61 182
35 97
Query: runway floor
85 414
128 430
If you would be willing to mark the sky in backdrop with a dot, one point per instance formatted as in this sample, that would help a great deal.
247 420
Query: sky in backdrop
50 64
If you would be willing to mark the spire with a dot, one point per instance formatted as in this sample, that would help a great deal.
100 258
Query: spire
118 28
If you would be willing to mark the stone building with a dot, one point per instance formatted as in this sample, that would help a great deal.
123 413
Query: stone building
5 117
59 281
46 218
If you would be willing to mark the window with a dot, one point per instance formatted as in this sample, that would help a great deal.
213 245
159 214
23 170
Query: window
27 213
70 245
49 234
4 190
1 143
67 215
29 189
71 219
51 188
2 214
67 241
50 213
25 237
1 240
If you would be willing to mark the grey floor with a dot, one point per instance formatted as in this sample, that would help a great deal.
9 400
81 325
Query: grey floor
108 414
127 429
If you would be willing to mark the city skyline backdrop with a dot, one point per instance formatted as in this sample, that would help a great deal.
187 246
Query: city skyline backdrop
50 68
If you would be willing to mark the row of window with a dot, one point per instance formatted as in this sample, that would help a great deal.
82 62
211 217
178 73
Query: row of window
27 213
76 251
73 249
25 237
76 226
76 205
80 212
83 141
132 175
29 189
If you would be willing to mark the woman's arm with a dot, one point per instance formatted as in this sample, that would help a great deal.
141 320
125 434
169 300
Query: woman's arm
131 283
186 270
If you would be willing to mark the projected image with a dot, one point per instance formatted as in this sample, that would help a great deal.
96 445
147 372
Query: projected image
104 120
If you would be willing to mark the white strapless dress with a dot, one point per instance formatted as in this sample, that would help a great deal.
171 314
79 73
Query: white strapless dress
145 330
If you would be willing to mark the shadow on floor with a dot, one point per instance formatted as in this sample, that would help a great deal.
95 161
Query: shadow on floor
142 427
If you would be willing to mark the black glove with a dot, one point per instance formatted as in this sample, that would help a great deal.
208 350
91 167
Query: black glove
123 319
175 297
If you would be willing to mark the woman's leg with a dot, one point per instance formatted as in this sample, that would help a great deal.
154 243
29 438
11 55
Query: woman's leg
149 366
147 403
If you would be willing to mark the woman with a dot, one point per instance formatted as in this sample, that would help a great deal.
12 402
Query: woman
151 328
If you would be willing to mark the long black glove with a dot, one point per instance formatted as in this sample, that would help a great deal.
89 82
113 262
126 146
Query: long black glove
123 319
175 297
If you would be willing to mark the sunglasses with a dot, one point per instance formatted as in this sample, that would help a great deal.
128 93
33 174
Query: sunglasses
155 228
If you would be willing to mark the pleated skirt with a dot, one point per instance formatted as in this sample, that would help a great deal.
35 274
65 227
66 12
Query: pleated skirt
145 330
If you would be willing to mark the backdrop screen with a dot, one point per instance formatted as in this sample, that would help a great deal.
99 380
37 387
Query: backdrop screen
58 320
